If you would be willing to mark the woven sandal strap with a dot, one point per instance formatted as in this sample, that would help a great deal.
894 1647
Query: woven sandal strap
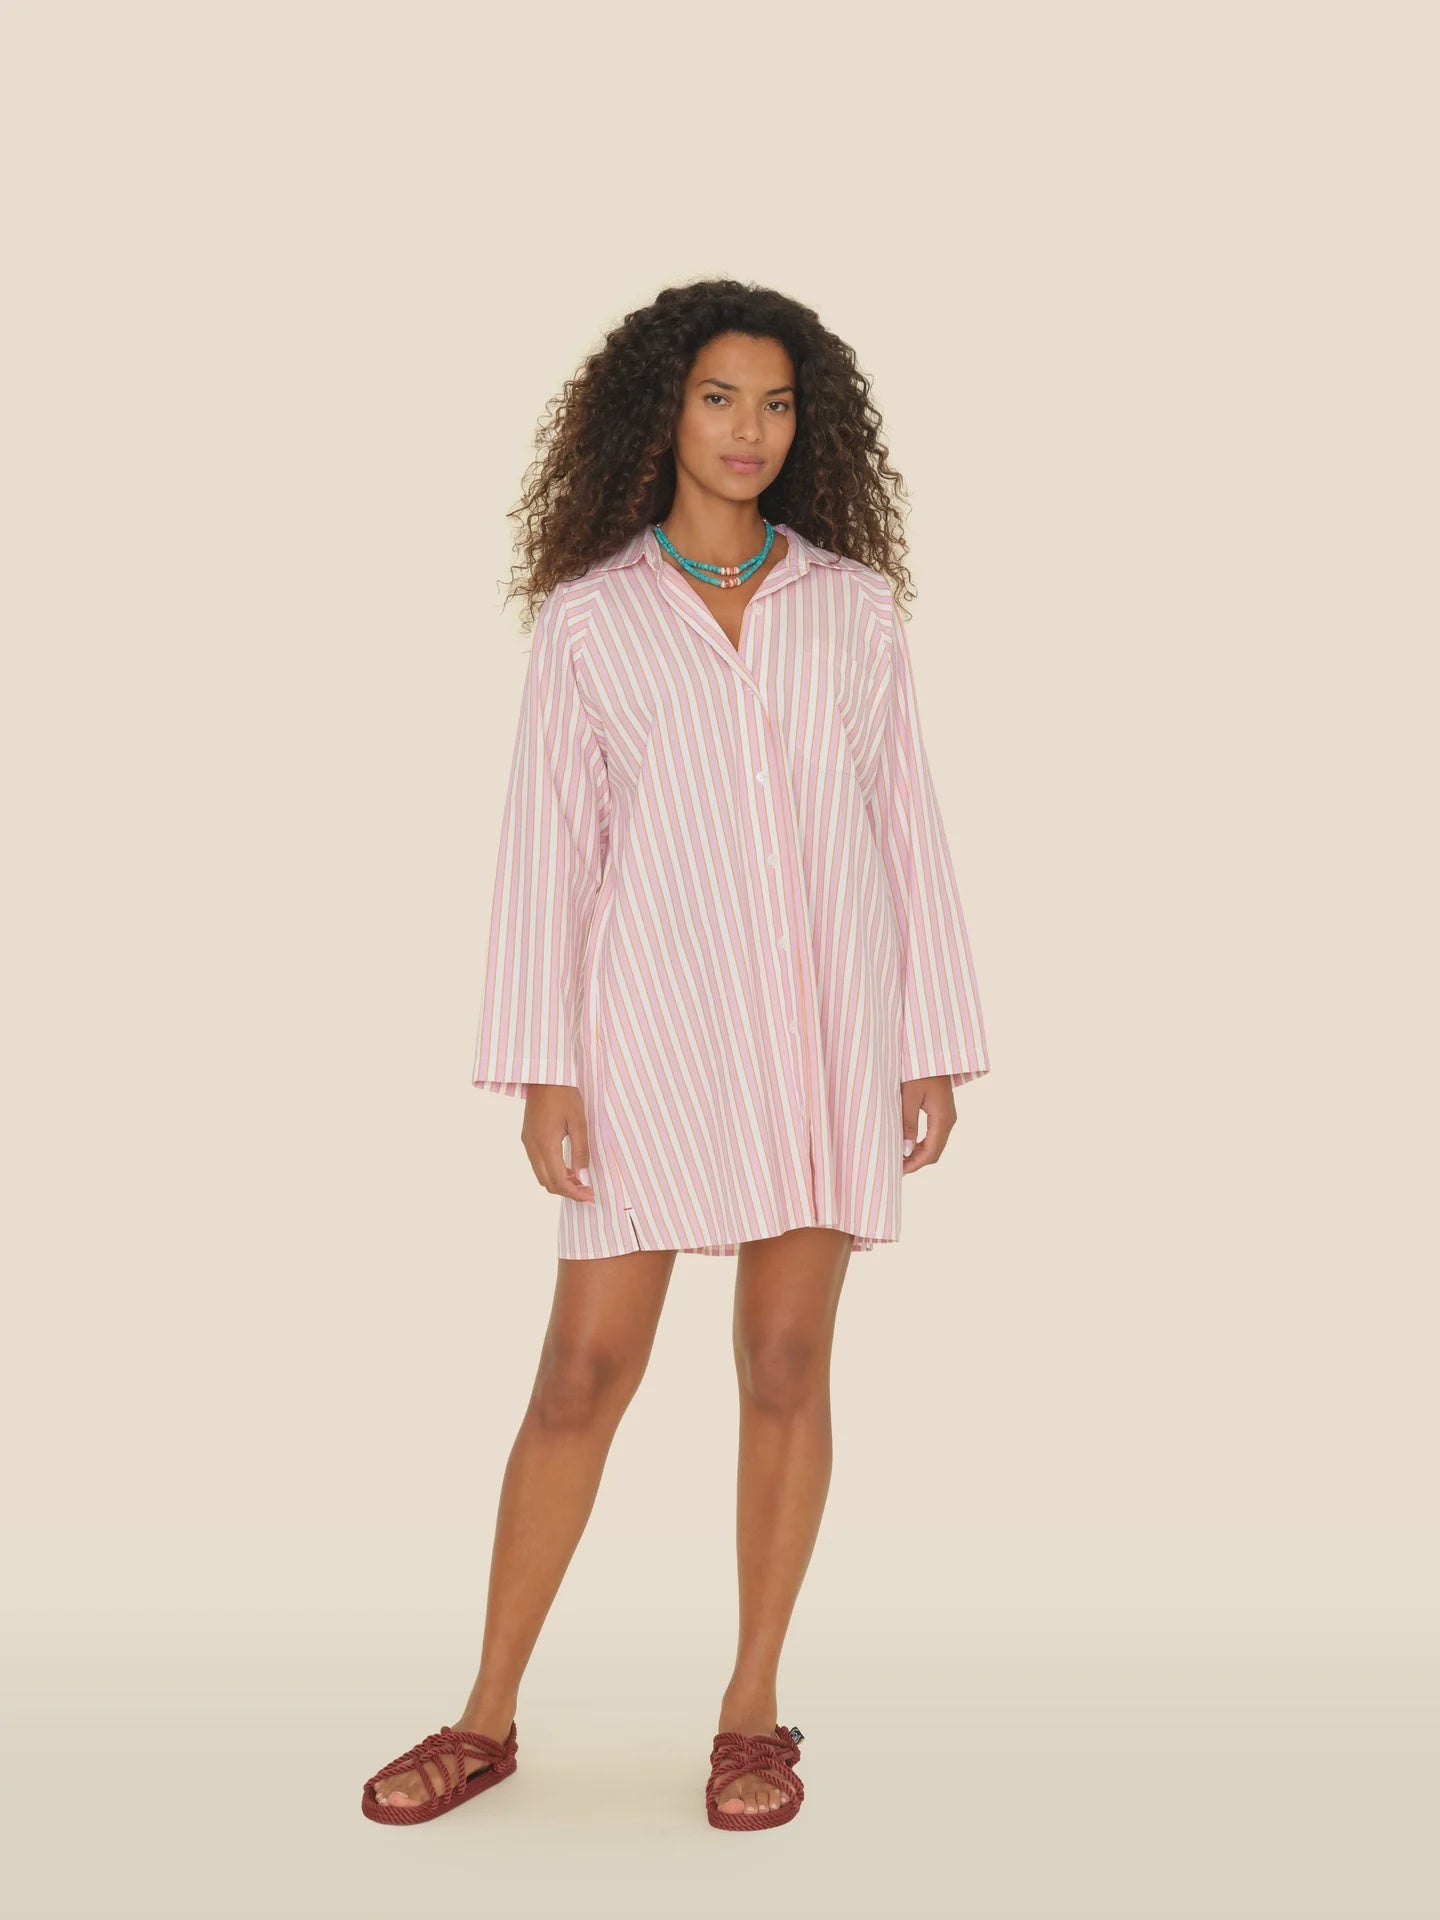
480 1746
450 1745
422 1767
767 1757
776 1775
767 1745
455 1743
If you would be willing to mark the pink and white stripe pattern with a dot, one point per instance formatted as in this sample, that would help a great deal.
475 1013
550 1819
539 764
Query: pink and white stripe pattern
725 907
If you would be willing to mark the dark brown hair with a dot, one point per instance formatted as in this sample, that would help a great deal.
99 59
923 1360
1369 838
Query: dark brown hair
604 468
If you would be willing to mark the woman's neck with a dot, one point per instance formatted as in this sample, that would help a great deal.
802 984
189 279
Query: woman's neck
724 533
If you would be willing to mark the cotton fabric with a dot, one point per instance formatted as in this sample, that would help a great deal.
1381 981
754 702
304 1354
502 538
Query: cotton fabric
724 905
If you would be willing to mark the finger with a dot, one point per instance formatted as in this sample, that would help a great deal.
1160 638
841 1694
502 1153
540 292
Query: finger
545 1157
929 1150
909 1116
922 1153
553 1116
576 1175
555 1176
559 1179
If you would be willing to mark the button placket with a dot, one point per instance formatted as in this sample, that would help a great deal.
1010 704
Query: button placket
782 939
745 663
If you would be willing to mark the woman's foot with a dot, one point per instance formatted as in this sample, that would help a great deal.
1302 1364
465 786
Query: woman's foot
407 1789
742 1713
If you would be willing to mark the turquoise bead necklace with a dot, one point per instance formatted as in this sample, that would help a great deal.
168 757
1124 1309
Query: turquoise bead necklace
710 574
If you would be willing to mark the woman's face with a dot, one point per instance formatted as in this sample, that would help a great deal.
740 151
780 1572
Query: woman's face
737 416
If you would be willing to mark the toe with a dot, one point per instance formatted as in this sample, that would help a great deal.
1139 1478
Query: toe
751 1796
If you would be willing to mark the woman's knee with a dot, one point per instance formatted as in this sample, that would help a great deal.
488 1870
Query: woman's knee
582 1383
782 1371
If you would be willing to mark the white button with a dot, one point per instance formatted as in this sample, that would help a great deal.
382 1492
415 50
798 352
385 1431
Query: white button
793 1027
782 941
772 859
762 779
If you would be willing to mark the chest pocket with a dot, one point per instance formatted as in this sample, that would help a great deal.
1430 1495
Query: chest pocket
821 715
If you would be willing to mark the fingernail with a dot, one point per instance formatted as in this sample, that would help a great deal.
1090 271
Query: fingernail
583 1176
909 1145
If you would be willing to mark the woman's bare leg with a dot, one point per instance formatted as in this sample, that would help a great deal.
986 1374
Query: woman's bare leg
787 1290
598 1341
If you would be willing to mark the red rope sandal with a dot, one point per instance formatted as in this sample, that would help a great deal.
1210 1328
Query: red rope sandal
452 1743
770 1757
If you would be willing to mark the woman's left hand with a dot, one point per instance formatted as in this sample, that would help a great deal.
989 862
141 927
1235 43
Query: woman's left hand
935 1098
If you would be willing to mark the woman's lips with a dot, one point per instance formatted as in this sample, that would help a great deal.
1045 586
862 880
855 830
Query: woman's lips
740 463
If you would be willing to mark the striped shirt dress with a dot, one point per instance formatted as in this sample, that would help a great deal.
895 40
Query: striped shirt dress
724 905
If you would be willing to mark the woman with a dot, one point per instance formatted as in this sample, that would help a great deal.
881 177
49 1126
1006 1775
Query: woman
727 968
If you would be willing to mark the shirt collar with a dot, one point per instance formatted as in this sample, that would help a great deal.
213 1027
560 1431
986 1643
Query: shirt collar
644 546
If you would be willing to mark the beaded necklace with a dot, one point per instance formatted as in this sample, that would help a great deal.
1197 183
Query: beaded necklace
719 576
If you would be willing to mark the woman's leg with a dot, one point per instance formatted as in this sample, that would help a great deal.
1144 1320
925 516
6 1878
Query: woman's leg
602 1327
786 1292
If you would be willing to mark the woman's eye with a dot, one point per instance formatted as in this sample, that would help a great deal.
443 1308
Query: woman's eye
783 405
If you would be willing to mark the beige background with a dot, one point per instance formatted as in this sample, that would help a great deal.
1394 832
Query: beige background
1125 1598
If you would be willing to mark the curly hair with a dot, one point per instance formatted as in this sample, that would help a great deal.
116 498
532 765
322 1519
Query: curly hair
605 468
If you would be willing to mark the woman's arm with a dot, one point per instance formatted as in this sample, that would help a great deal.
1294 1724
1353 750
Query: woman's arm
547 875
943 1030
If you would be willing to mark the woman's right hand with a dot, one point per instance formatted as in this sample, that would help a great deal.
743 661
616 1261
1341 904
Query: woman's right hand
552 1113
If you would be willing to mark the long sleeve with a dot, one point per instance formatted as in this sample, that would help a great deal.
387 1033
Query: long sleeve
943 1030
548 871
